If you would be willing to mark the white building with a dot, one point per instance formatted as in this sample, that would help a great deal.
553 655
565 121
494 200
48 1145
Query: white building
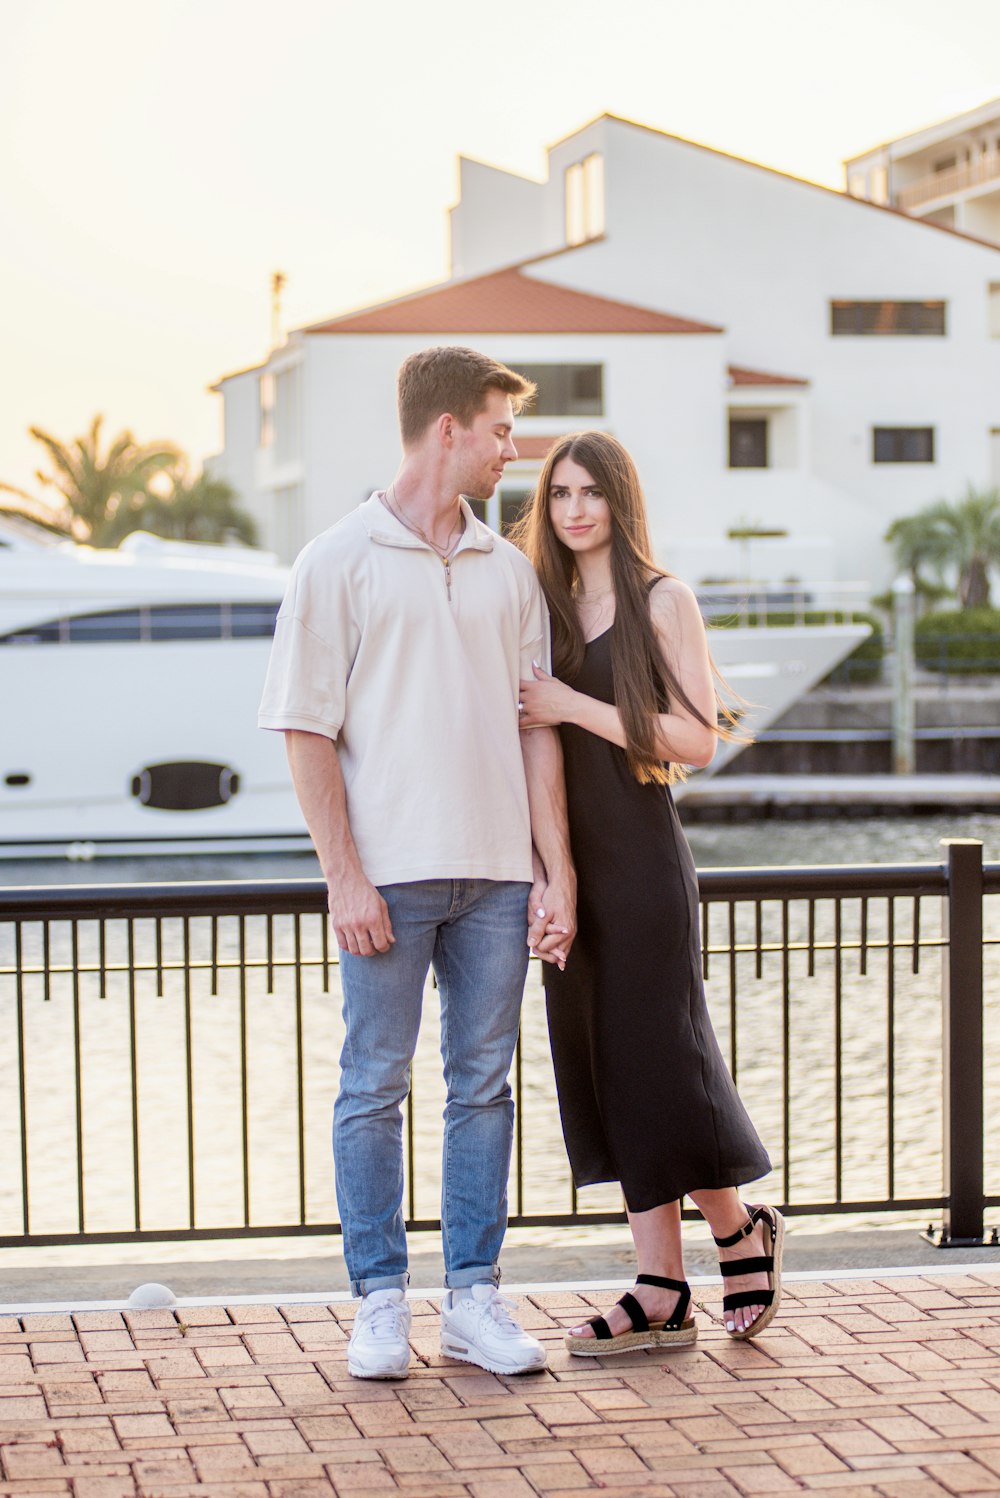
948 173
778 356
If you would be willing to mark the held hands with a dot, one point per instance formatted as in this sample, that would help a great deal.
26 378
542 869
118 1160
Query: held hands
360 916
543 702
551 920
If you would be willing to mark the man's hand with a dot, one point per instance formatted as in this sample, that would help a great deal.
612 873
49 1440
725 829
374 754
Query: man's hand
360 916
551 920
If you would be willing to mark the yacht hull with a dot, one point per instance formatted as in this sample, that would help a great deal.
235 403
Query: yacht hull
91 720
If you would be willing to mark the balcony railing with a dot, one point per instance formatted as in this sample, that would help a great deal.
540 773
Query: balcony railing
168 1055
984 169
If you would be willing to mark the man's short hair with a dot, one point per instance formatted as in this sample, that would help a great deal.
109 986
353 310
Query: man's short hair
457 380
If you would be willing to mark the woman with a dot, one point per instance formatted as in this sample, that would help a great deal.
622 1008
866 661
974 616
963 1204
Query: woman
644 1093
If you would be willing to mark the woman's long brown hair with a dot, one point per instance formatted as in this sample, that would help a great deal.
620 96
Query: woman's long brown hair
644 683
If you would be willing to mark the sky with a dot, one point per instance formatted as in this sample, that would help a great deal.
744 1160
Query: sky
159 159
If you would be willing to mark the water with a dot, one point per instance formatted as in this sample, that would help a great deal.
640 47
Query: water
271 1043
715 845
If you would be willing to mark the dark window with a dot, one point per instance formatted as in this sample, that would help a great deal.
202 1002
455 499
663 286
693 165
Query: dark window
748 442
512 503
183 621
252 620
565 389
903 445
186 621
478 508
888 319
35 634
117 624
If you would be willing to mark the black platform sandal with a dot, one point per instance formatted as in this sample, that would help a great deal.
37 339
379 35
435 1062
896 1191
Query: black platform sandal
679 1329
769 1264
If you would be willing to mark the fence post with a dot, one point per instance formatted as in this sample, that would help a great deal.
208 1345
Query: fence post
903 711
962 1004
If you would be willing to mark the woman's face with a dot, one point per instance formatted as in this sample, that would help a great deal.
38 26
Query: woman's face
580 515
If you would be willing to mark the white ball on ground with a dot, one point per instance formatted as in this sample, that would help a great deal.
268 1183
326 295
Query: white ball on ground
152 1296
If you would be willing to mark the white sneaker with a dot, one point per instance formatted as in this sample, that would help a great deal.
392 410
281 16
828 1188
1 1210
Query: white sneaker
479 1328
378 1347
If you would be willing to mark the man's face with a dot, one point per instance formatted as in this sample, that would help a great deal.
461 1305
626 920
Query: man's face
484 449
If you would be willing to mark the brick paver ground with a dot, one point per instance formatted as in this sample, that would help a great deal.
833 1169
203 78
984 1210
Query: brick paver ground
887 1386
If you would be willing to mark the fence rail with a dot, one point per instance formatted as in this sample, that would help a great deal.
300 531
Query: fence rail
169 1054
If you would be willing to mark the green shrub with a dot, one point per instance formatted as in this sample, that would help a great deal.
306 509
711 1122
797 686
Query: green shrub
864 664
963 641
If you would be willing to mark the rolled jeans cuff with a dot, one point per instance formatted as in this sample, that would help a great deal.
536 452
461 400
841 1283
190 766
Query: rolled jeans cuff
379 1282
461 1279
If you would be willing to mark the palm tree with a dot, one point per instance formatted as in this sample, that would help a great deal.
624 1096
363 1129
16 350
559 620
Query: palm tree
27 507
964 536
96 486
198 509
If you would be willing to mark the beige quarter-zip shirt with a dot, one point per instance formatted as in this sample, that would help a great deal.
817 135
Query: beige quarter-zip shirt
418 690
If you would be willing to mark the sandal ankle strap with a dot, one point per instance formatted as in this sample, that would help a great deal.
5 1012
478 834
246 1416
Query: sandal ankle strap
660 1282
753 1217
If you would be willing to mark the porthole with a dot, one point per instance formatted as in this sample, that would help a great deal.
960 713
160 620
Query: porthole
185 785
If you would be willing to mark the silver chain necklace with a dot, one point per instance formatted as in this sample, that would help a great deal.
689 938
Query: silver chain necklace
443 552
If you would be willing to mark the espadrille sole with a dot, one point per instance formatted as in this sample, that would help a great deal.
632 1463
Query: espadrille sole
684 1335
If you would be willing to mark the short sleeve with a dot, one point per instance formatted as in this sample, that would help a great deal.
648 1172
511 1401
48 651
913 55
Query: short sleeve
306 683
312 653
535 643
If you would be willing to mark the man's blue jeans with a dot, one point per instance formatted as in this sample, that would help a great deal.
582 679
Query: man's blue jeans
474 931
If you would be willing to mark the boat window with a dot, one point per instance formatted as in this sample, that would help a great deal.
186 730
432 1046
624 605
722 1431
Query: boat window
182 621
37 634
252 620
187 621
115 624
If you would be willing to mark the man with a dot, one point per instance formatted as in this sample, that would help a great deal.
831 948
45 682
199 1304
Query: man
394 676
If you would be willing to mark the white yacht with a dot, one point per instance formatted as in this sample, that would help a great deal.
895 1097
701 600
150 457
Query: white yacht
129 682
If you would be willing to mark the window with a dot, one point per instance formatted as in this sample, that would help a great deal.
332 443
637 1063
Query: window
185 621
993 313
584 199
252 621
565 389
512 503
188 621
748 442
903 444
115 624
885 319
265 411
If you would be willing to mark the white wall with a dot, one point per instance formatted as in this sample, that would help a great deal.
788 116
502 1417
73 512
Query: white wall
236 463
661 399
499 218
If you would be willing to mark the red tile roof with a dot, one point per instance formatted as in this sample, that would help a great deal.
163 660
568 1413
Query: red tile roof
740 376
533 447
507 301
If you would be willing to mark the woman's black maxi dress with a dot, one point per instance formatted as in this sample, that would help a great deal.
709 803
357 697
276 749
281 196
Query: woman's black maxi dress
645 1096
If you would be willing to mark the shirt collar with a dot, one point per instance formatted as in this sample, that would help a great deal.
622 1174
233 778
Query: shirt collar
383 526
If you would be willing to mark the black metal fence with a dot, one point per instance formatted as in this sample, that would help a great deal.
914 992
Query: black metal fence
168 1055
